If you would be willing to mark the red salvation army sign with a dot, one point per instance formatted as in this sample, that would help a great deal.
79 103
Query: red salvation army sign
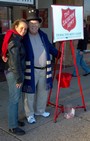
70 22
67 22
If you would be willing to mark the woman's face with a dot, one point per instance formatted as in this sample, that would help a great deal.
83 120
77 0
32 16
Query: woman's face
34 25
21 28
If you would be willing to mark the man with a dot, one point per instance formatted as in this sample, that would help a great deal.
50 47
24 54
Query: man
38 74
82 46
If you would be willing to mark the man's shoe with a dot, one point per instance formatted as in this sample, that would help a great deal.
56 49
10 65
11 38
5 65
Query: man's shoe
21 123
31 119
45 114
17 131
74 75
86 74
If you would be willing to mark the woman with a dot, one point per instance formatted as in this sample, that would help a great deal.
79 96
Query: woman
13 49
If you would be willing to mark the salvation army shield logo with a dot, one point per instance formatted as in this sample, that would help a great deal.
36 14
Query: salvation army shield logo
68 19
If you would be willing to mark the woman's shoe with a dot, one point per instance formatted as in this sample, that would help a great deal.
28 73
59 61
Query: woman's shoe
17 131
21 123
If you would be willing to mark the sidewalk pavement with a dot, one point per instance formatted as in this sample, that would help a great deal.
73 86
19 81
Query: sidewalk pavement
45 129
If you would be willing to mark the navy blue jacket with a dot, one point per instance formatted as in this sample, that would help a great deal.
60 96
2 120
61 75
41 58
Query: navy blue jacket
29 82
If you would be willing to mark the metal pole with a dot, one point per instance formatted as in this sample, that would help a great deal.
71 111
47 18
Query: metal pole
36 4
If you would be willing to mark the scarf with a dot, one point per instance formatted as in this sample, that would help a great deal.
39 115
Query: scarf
6 40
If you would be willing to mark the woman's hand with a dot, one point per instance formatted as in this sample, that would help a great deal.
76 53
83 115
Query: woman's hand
19 85
4 59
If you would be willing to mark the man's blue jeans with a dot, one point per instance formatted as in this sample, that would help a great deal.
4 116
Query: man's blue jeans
81 63
14 96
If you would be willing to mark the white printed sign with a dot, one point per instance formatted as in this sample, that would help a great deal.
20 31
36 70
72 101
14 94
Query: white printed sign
19 1
67 22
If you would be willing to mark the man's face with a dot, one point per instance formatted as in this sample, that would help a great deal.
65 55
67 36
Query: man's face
34 25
